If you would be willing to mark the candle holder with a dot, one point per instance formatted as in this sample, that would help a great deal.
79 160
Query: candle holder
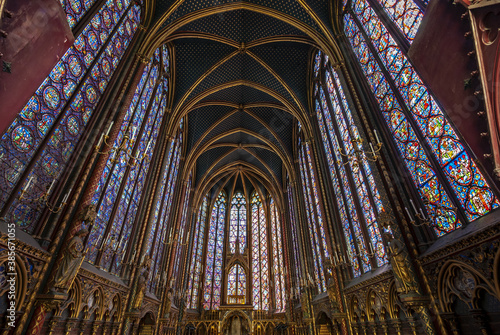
424 220
177 240
104 138
341 261
44 198
127 141
359 153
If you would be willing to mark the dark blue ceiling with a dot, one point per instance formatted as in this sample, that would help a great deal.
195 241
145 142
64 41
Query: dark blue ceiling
264 56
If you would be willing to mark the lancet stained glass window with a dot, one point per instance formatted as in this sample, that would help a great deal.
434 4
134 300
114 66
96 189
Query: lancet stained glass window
278 262
294 235
348 163
120 188
238 224
314 214
182 227
260 255
236 285
49 127
213 271
411 113
196 265
158 236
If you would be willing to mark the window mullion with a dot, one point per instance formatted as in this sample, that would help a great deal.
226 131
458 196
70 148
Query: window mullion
362 160
214 258
344 198
87 17
390 25
131 120
165 191
204 254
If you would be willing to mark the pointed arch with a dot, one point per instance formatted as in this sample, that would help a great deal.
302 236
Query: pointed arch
215 248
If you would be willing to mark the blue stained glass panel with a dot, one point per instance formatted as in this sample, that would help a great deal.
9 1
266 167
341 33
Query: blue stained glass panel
76 9
278 262
213 271
39 115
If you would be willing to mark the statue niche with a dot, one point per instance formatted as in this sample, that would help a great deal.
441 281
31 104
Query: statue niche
236 325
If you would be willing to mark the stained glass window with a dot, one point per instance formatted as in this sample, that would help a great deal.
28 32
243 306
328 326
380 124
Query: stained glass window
238 224
314 215
350 172
236 285
76 9
196 265
49 127
260 255
411 113
278 262
120 188
294 235
405 14
213 271
182 228
158 236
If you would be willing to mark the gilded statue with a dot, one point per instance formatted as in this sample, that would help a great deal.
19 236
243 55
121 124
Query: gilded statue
142 284
330 285
73 255
400 265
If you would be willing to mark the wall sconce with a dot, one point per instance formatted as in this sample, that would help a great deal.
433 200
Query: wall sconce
358 152
43 199
433 217
130 135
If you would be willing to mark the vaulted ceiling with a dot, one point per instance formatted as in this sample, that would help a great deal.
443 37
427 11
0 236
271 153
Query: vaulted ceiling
241 72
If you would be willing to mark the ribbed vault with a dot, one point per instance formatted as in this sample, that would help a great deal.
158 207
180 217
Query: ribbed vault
241 70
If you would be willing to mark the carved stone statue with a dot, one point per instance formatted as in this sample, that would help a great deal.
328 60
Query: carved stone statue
168 301
142 284
87 215
72 259
400 265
